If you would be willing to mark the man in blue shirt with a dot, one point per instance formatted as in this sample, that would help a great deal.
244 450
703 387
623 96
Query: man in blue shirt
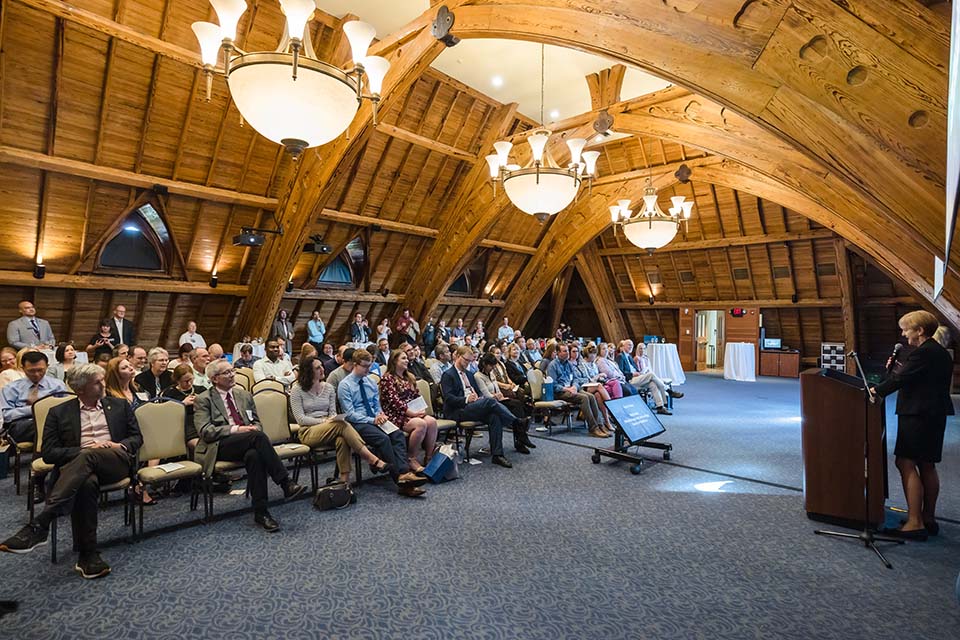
565 388
18 397
632 374
531 354
360 401
505 332
316 331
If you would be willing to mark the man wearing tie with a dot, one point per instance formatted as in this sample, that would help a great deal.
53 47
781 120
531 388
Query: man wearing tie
17 398
121 329
93 441
28 330
229 428
460 399
360 401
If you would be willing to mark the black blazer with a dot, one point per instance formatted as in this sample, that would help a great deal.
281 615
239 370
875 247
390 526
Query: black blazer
148 382
128 338
454 398
61 432
924 382
516 372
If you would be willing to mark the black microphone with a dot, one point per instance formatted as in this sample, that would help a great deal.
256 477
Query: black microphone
893 356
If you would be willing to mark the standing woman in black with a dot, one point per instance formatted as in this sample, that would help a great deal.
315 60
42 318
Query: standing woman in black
922 409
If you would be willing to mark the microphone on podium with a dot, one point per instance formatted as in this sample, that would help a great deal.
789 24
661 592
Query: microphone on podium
893 356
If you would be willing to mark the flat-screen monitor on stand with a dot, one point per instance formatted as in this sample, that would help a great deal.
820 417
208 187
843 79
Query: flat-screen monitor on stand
635 419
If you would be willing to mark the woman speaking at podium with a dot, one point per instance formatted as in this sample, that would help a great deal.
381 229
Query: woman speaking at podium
922 409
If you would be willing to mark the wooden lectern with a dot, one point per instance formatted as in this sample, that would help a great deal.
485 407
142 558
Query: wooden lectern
833 408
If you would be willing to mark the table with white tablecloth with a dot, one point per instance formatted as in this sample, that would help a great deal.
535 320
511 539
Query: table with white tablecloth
665 362
739 362
259 349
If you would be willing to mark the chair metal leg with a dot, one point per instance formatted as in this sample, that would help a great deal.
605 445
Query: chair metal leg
16 469
53 540
30 482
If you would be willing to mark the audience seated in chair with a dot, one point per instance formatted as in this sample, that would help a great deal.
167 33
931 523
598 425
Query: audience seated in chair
608 367
157 377
199 359
344 370
246 359
360 401
226 419
66 358
183 391
17 398
488 388
274 366
97 450
444 362
191 336
462 401
398 387
11 367
314 405
588 378
565 388
647 378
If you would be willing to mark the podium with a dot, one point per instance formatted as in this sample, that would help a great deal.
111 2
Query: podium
833 409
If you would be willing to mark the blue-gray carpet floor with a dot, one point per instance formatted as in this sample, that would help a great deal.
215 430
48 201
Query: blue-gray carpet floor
557 547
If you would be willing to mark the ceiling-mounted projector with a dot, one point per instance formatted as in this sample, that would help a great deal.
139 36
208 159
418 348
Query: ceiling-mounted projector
248 238
317 247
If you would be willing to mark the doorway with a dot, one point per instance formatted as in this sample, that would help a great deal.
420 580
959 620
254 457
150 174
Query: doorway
710 341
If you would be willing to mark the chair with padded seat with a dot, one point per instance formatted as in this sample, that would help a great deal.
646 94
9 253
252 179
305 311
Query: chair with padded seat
161 425
547 408
272 408
467 429
275 385
38 468
242 379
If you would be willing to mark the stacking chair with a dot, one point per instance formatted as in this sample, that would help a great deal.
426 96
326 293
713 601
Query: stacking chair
267 384
374 378
246 372
443 425
467 429
242 380
161 425
547 408
272 408
39 468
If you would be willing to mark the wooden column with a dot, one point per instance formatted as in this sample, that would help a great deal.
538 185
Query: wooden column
558 297
846 302
590 267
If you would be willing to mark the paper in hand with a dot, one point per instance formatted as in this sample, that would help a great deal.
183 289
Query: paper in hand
417 405
388 427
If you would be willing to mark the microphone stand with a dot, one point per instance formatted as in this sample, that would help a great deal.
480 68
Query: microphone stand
867 536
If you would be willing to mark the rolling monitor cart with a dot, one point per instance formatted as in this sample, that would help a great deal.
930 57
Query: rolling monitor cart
635 425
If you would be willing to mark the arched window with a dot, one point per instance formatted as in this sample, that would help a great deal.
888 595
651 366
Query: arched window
345 270
140 243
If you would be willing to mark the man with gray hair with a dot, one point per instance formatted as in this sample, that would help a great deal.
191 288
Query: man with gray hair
200 358
229 427
92 440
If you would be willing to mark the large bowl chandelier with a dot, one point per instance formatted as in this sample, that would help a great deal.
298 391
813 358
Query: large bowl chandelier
288 95
540 189
651 228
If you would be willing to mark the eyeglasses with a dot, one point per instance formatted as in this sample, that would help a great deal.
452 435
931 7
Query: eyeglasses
227 372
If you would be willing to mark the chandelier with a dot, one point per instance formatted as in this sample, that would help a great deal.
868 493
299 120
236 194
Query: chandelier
651 228
288 95
540 189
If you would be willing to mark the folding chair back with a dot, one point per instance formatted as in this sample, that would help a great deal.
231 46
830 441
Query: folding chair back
40 410
267 384
424 388
161 425
272 408
535 378
242 380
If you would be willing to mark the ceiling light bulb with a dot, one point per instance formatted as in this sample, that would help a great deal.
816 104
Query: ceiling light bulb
538 142
229 13
208 34
298 13
554 114
576 147
376 68
503 151
360 35
493 161
590 159
496 81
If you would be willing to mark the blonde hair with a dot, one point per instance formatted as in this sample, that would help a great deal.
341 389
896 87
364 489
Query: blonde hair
920 320
942 335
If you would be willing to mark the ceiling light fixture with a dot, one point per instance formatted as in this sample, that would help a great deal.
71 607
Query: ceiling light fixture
288 95
651 228
497 81
539 189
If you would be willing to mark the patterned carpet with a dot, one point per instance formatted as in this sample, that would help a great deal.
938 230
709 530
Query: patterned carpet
555 548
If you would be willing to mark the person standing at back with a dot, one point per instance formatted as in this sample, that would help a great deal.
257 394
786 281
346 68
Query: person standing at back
283 328
28 330
121 329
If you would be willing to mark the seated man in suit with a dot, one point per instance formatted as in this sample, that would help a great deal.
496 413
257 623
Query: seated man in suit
382 354
17 397
229 429
462 401
92 440
359 400
28 330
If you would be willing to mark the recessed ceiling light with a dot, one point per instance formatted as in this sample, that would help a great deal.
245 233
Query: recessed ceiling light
496 81
554 114
130 227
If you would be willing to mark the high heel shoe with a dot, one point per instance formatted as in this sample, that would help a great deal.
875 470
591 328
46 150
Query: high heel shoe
381 467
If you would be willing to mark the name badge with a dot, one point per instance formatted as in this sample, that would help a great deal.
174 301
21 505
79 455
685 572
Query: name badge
250 415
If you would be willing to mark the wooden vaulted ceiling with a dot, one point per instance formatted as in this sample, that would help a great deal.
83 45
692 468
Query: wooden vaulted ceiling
788 147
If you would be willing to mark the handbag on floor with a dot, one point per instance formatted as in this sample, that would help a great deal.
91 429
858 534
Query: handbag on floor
337 495
443 465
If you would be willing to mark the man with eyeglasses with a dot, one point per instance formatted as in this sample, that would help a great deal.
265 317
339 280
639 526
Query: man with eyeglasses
359 399
462 401
226 419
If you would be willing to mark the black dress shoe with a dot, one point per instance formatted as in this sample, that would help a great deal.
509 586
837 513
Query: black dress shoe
675 394
663 411
918 535
931 526
521 448
502 462
291 490
266 521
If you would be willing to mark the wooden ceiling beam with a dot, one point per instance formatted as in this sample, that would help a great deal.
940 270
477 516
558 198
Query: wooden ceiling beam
725 304
112 28
67 166
426 143
722 243
117 283
590 267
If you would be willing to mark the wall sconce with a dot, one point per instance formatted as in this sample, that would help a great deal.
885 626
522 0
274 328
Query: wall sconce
651 299
213 281
289 286
39 270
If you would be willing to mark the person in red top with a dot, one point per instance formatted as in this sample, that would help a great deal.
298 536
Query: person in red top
397 388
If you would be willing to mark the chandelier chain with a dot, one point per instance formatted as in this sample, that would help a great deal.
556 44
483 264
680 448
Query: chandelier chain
542 57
